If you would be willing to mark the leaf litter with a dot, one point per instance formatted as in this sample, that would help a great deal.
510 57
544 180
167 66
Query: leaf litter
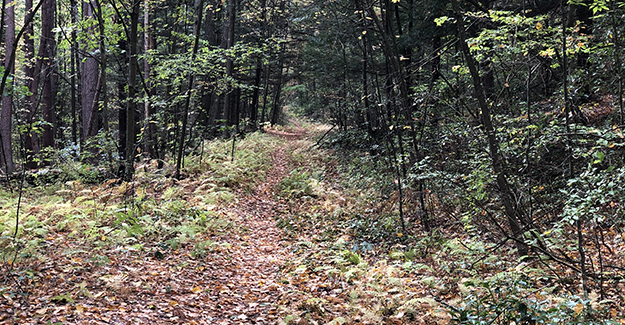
238 278
269 252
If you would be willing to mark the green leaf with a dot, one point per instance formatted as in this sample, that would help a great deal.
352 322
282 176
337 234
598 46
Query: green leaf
62 299
600 156
441 20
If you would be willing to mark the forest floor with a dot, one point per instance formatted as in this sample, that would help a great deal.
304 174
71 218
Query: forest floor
266 234
237 279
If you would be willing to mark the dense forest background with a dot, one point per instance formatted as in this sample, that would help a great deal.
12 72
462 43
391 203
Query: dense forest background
503 117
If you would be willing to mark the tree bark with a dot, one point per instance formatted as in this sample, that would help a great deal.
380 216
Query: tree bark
254 109
148 44
132 85
277 108
73 63
256 94
47 45
7 101
25 31
89 84
227 42
122 98
31 73
103 90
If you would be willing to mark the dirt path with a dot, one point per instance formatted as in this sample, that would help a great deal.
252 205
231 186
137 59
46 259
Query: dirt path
258 255
236 281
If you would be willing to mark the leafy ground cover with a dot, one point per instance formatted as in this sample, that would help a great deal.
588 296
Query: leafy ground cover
153 251
276 231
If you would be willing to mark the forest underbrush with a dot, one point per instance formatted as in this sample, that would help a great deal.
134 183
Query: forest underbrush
73 251
359 263
205 248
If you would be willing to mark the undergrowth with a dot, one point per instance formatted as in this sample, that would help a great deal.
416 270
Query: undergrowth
154 214
360 266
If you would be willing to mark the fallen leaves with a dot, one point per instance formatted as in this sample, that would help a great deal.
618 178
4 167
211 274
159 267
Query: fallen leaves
250 272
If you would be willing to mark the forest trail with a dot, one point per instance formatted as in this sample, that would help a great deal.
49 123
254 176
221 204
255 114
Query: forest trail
258 255
237 279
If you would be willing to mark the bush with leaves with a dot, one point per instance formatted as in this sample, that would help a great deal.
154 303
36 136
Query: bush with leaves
509 298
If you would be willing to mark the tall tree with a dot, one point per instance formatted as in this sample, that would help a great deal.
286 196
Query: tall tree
32 70
73 72
199 5
148 44
90 78
47 52
6 150
132 89
513 211
42 69
227 42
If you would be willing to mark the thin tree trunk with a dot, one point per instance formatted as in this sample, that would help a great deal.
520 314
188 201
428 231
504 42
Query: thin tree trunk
2 17
148 128
256 94
582 257
254 110
73 62
263 116
617 60
277 108
103 91
7 101
132 85
123 106
513 213
227 42
199 4
32 70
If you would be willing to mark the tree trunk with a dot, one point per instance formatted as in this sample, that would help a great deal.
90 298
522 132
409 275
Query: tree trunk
132 84
617 59
227 42
254 109
148 44
210 30
122 98
263 115
103 91
27 32
276 109
199 4
89 84
31 73
6 150
73 62
513 212
256 94
47 45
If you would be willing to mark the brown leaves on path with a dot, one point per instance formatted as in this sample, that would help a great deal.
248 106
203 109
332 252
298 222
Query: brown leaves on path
234 281
288 133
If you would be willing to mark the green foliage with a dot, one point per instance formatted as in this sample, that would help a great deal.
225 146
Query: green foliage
508 298
219 169
62 299
202 248
594 194
297 184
